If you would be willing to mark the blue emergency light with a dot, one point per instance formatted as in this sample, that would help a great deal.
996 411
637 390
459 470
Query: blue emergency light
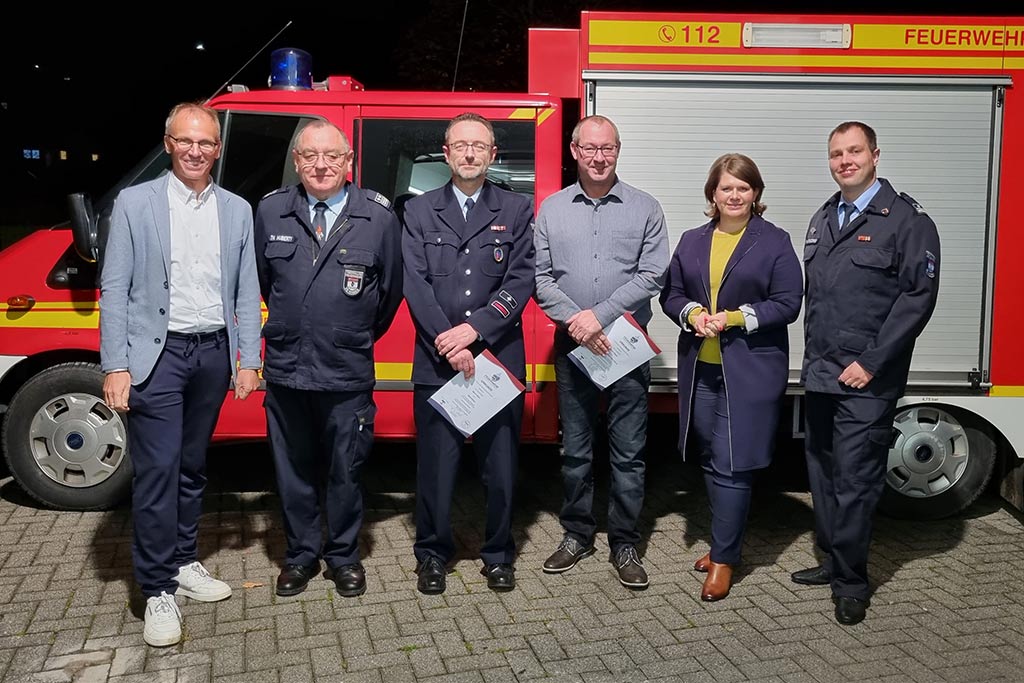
291 69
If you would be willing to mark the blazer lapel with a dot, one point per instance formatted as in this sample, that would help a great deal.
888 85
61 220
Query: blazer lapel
161 208
703 256
449 211
224 224
748 240
483 213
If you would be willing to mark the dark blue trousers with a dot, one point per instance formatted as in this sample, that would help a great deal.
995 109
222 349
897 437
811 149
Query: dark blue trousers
579 405
171 419
847 443
312 434
728 491
438 447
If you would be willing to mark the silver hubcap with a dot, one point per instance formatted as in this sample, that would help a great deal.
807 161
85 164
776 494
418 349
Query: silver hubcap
77 440
930 453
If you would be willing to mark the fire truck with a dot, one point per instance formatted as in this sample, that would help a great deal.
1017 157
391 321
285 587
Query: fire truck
944 94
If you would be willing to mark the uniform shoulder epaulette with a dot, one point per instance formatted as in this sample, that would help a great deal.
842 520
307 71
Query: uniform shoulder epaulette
918 209
379 198
280 189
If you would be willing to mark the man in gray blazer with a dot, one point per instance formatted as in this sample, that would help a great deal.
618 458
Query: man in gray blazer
179 299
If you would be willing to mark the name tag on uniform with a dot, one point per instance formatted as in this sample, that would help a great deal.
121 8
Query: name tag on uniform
353 280
281 238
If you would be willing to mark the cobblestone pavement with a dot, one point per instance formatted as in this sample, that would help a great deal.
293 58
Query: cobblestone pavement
948 604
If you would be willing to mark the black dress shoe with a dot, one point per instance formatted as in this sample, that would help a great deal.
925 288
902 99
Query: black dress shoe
293 578
815 576
431 579
350 580
500 576
850 611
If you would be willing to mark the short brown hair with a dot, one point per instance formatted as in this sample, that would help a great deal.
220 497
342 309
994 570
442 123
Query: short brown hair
869 132
193 107
740 166
469 116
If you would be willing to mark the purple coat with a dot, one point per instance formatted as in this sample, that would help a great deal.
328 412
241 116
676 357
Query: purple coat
764 273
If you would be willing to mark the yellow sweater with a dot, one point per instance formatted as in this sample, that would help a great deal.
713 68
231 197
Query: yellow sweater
722 246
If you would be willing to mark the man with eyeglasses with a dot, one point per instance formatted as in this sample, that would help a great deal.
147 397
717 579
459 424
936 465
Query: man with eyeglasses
179 299
468 250
330 271
602 251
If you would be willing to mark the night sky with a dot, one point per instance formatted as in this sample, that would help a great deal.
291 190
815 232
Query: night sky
90 82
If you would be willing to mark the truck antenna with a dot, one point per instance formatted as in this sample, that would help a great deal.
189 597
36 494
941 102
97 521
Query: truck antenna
254 56
459 53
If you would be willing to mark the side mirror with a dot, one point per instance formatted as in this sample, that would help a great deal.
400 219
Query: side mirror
84 226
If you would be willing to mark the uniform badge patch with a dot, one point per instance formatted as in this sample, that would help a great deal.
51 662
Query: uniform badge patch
885 210
500 308
930 265
498 228
508 299
353 281
863 238
281 238
382 200
499 254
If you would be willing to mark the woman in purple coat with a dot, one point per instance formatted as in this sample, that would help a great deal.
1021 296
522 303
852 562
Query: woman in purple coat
733 286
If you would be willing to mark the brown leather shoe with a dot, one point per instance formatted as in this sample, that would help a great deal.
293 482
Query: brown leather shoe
718 582
701 565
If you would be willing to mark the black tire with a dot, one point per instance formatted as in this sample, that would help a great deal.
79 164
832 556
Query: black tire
64 446
941 460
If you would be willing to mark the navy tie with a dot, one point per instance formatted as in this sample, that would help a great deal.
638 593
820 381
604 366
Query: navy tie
469 206
847 214
320 220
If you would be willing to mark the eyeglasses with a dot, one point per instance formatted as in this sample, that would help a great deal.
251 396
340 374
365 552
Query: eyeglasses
461 146
184 144
310 157
609 151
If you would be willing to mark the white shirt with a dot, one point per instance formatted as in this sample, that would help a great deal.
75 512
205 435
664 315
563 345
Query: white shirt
196 304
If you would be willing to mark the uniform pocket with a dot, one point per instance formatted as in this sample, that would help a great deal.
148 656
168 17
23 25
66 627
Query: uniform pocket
279 250
362 436
440 251
494 256
358 270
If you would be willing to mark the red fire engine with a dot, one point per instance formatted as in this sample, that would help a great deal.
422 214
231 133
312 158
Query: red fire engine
944 94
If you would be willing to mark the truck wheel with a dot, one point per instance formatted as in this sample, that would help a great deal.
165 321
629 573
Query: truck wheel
940 461
63 444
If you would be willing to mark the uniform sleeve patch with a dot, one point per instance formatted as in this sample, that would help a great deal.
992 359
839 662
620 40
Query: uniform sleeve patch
500 308
381 199
508 299
281 238
931 266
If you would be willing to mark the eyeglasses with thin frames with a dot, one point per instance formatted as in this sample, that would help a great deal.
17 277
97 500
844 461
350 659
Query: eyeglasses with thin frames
185 144
461 146
589 151
310 157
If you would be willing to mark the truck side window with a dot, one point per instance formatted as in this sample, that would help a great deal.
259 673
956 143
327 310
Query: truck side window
256 158
402 158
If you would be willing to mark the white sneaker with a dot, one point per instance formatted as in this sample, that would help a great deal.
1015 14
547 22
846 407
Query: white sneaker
196 583
163 621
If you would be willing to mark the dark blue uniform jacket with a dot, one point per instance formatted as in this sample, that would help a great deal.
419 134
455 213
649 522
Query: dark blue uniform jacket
479 271
326 305
870 291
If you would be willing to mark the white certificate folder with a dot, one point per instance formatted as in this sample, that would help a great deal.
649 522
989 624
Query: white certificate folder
468 404
631 347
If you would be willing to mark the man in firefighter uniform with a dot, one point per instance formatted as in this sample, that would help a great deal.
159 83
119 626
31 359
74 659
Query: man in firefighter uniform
468 254
329 260
871 259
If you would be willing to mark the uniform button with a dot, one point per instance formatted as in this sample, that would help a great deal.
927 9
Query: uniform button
468 271
468 292
439 240
468 313
595 255
595 279
156 340
497 241
161 311
467 250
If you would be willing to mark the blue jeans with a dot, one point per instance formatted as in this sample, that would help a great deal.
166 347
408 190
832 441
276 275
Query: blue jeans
579 403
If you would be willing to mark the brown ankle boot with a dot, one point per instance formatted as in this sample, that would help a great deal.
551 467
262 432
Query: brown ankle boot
701 565
718 582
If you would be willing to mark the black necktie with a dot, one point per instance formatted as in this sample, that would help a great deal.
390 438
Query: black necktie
847 215
320 220
469 206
